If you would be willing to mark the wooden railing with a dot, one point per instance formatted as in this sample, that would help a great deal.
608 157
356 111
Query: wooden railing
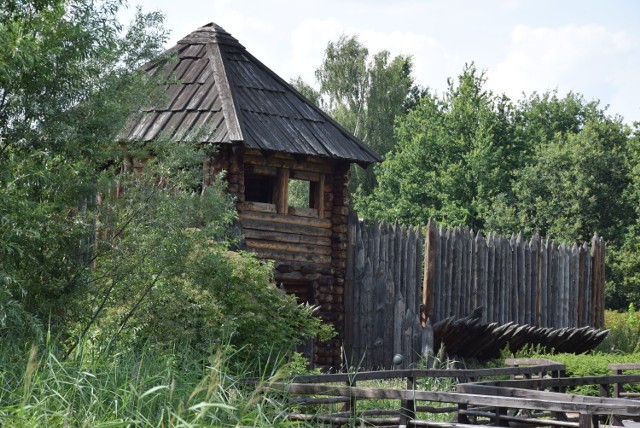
532 396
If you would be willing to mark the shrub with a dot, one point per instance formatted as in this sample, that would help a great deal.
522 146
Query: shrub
624 331
165 277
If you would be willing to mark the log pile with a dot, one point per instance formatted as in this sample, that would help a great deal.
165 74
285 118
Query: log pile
469 337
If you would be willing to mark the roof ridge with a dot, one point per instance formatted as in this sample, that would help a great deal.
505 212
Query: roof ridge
227 94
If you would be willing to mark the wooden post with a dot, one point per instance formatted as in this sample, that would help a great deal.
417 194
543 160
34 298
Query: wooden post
349 284
429 273
408 407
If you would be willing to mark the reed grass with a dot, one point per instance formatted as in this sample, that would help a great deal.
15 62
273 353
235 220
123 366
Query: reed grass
39 389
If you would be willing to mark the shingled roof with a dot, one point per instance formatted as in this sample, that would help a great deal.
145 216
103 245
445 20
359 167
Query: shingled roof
220 93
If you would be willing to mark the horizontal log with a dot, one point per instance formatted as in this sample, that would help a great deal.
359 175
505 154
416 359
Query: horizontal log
305 175
288 247
267 226
431 373
436 424
288 236
303 212
292 257
548 401
287 219
261 170
521 420
258 207
259 159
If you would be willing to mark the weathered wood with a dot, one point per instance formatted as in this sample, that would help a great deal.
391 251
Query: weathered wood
264 253
320 223
428 287
261 244
293 238
518 283
255 157
282 191
264 227
303 212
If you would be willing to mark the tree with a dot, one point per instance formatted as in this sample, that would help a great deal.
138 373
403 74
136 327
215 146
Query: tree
454 154
365 95
574 182
66 86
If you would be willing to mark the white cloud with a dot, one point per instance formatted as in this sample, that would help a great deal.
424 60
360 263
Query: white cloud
569 58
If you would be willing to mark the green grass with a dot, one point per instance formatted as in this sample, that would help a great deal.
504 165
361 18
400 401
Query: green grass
123 390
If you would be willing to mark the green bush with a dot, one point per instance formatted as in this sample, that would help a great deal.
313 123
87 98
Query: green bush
624 331
165 277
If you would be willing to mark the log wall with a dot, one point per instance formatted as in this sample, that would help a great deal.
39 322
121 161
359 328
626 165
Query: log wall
308 245
396 275
525 281
383 294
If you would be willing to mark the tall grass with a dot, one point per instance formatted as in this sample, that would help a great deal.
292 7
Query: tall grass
126 389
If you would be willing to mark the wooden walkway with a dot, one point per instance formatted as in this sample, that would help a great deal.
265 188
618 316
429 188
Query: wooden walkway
532 396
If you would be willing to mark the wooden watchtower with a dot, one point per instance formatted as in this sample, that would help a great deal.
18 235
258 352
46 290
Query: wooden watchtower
270 141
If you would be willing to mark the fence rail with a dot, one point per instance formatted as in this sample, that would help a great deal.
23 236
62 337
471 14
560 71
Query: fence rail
533 397
398 278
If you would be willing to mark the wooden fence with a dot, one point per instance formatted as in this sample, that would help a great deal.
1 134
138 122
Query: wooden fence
396 275
533 281
382 304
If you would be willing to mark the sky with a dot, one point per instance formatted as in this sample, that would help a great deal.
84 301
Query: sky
588 47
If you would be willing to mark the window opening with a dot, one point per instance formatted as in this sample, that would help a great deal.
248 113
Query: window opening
259 188
300 194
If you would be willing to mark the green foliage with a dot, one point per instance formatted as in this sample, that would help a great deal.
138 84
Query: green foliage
65 88
365 95
164 277
577 167
455 153
135 389
624 331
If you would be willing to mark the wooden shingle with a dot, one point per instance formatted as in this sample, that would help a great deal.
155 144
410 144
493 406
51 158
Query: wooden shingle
212 82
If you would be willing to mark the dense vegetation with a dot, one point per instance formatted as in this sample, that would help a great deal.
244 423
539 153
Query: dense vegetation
97 250
557 165
122 298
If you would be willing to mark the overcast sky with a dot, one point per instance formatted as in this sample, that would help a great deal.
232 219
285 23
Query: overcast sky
586 46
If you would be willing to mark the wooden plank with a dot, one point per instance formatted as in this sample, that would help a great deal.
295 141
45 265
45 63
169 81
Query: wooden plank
349 280
573 275
261 170
553 294
260 207
319 197
428 285
520 276
505 274
282 191
457 273
305 175
357 318
491 277
379 286
389 292
286 237
534 279
320 223
528 287
266 226
544 264
293 257
303 212
257 158
589 285
259 244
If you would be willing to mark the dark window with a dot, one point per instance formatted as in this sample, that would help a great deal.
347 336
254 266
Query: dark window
259 188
